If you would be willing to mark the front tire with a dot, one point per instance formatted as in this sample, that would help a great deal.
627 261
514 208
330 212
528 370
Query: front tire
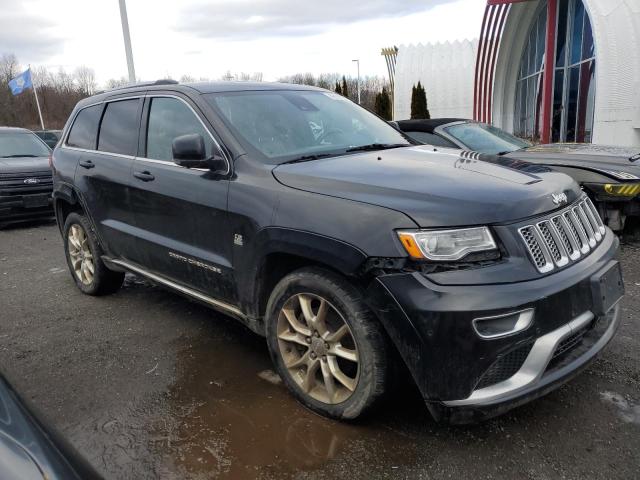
84 254
326 344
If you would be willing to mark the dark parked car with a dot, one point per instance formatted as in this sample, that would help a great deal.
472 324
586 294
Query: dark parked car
50 137
30 449
610 175
25 176
321 227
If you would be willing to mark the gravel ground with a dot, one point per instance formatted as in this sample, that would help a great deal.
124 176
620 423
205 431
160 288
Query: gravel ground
147 384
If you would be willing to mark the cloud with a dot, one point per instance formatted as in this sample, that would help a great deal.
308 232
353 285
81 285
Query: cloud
250 19
28 35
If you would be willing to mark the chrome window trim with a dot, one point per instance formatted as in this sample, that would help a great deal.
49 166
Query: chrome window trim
65 146
525 319
85 150
215 141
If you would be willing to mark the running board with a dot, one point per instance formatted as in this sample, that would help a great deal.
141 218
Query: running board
224 307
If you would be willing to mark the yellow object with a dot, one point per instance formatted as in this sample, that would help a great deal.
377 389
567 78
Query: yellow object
622 189
410 245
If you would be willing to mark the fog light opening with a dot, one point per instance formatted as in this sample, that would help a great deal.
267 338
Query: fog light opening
503 325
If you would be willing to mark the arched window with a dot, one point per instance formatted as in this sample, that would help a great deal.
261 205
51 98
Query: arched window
529 87
574 77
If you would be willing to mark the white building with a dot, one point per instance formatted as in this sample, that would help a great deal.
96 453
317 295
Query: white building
445 70
553 70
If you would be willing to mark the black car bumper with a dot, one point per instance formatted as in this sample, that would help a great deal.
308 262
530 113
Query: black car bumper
17 208
464 377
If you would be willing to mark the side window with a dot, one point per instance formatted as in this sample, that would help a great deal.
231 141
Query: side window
170 118
431 139
84 131
119 128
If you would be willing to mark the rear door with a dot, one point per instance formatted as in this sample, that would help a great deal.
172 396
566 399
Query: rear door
181 213
103 174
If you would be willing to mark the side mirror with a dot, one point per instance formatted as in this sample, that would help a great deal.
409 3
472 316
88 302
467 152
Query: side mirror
189 151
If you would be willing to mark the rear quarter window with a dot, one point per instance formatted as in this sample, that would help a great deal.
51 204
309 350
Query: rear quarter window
119 128
431 139
84 130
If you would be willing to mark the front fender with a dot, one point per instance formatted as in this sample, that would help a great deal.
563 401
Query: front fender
250 261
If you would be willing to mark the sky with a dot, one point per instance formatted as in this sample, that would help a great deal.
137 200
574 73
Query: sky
208 38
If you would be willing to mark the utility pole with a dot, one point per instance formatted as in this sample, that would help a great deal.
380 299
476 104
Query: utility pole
358 62
127 41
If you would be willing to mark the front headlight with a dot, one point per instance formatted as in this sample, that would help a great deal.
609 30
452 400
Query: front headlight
446 245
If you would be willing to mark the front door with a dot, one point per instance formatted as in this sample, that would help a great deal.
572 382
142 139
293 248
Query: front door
181 213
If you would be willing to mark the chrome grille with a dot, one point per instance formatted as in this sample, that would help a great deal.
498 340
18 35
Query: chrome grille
565 237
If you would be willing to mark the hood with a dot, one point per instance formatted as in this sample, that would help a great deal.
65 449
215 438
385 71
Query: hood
435 188
608 160
24 164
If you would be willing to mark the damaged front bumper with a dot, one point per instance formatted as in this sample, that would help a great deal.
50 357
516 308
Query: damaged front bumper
464 377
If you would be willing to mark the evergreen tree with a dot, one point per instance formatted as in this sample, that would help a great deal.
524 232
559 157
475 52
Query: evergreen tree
383 104
338 88
419 108
345 89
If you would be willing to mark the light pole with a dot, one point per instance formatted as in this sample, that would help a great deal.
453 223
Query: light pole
358 62
127 41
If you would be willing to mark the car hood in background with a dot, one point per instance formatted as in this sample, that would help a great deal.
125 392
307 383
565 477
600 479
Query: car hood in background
435 187
24 164
599 158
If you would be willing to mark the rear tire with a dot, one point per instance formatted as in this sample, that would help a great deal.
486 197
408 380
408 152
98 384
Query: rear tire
326 344
83 254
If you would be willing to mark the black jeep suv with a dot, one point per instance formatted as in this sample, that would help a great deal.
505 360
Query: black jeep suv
25 176
324 229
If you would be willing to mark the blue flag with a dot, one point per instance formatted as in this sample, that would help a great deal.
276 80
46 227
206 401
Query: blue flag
21 82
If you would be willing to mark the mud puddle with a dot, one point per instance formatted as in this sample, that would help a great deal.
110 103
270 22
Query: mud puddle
237 421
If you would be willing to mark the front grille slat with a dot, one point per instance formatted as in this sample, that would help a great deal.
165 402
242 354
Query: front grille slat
586 225
596 215
564 238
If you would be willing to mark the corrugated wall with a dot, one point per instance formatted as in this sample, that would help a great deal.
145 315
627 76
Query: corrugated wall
447 72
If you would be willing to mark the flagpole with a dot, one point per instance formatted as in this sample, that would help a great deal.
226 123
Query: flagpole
35 92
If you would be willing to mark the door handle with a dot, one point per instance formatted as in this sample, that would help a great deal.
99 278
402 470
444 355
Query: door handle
144 176
87 164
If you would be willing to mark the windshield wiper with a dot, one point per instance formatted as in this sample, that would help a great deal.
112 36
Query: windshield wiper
378 146
19 155
307 158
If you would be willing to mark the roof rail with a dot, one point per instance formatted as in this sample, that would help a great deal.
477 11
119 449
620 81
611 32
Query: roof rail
162 81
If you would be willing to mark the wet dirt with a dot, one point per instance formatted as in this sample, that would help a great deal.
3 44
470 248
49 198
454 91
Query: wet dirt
146 384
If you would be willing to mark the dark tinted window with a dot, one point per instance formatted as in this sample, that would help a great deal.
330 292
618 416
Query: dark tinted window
85 128
119 128
170 118
431 139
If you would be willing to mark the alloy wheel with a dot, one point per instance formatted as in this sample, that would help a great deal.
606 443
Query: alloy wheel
318 348
80 254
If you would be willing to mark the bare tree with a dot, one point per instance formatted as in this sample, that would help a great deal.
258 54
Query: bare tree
85 78
187 79
58 93
116 82
8 67
370 86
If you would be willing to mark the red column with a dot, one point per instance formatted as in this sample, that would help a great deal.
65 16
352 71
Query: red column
549 66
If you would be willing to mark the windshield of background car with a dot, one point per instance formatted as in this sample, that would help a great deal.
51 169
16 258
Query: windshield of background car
485 138
282 125
18 144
